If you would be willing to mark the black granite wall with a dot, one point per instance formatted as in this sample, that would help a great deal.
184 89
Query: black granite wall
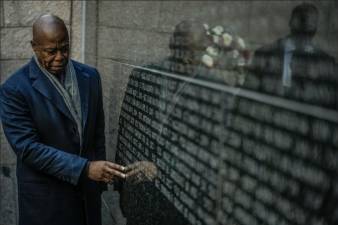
227 155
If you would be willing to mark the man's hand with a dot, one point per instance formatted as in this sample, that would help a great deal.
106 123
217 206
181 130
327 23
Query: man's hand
105 171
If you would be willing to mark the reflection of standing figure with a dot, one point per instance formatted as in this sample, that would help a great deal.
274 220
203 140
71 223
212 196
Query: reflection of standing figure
186 45
294 67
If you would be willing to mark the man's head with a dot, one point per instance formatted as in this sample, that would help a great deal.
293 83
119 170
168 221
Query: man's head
188 41
51 43
304 20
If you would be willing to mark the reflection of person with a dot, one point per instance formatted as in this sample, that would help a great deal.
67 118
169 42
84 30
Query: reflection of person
297 61
141 202
52 115
186 46
207 53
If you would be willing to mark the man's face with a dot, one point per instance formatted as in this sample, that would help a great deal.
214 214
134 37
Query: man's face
52 50
305 23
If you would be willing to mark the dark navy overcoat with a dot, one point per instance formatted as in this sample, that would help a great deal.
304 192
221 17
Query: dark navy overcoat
40 129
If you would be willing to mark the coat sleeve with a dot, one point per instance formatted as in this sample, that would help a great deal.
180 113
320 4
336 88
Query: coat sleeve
99 145
100 126
23 137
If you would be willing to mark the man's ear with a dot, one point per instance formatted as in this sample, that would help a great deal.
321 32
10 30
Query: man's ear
33 46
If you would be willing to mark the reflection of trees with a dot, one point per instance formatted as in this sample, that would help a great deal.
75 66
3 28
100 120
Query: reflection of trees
141 171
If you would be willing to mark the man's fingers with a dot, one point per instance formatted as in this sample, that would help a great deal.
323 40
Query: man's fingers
115 166
114 172
118 174
107 169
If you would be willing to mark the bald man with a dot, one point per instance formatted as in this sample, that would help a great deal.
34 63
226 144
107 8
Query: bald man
52 115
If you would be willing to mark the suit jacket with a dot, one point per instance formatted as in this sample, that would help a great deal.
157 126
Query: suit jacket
40 129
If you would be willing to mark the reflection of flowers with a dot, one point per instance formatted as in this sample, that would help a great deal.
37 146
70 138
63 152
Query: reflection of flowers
207 60
227 51
218 30
240 43
201 49
227 39
212 51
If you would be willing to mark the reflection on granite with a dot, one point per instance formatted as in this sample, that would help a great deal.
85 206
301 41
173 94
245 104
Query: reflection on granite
222 158
294 67
178 132
212 143
141 171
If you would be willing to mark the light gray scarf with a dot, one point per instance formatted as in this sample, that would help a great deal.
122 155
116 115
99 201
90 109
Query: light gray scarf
69 92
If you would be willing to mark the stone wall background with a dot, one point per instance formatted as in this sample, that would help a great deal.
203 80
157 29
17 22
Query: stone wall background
112 34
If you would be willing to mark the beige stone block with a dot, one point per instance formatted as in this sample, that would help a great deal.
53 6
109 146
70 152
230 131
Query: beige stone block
8 193
90 33
76 31
136 14
15 43
8 67
235 15
24 13
174 12
7 155
113 75
90 59
117 77
134 46
1 14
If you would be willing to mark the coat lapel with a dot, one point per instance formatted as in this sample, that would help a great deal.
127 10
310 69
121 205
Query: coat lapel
46 88
83 83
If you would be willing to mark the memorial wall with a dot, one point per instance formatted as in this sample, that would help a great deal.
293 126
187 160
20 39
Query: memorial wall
210 154
220 133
